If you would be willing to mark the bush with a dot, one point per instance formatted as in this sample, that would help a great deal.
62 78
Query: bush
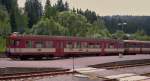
2 44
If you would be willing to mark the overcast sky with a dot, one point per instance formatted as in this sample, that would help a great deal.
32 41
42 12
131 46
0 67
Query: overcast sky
108 7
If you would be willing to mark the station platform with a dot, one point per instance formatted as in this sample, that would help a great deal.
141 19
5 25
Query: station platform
77 62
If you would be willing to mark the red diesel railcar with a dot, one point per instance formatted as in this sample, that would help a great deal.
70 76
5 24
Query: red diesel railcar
38 46
136 47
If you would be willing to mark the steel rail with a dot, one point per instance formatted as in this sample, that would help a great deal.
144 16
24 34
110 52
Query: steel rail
125 66
34 74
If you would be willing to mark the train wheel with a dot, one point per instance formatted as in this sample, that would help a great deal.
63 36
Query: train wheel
14 58
38 58
23 58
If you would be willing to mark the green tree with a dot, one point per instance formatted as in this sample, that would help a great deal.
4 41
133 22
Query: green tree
66 8
49 10
74 10
118 35
98 30
75 23
48 3
34 11
5 27
90 15
12 8
48 27
60 6
21 21
140 35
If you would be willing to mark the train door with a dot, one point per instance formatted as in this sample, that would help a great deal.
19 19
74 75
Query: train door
59 48
103 48
8 46
126 48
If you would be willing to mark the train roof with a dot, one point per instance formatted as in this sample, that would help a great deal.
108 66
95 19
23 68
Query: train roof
19 36
136 41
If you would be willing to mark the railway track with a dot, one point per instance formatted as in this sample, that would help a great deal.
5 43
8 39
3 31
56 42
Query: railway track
146 74
34 74
122 64
126 66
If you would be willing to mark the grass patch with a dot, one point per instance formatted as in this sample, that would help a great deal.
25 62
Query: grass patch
2 44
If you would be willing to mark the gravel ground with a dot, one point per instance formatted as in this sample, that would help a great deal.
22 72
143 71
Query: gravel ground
68 63
5 59
78 62
2 55
136 70
68 78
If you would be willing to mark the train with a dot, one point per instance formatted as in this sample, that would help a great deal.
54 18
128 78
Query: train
40 46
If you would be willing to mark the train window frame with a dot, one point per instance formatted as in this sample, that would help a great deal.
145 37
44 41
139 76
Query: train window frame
29 44
69 44
49 44
40 43
78 44
75 44
91 45
126 45
84 45
61 44
111 45
97 45
106 45
15 43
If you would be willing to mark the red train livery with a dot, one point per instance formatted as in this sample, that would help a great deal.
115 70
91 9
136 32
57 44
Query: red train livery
136 47
38 46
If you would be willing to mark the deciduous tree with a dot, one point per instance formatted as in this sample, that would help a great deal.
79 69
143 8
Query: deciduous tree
48 27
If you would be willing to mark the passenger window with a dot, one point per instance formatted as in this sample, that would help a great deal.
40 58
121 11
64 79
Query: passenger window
126 45
111 46
69 45
39 44
78 45
107 46
61 45
75 45
85 45
91 45
15 42
82 44
29 44
97 45
49 44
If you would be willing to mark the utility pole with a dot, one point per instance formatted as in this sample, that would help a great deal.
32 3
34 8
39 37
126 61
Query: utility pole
73 63
123 30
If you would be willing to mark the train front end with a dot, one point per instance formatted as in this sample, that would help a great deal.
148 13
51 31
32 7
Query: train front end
11 44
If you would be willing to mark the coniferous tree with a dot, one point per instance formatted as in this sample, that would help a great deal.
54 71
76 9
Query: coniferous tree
66 8
5 27
21 21
49 10
34 11
48 3
14 13
74 10
60 6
